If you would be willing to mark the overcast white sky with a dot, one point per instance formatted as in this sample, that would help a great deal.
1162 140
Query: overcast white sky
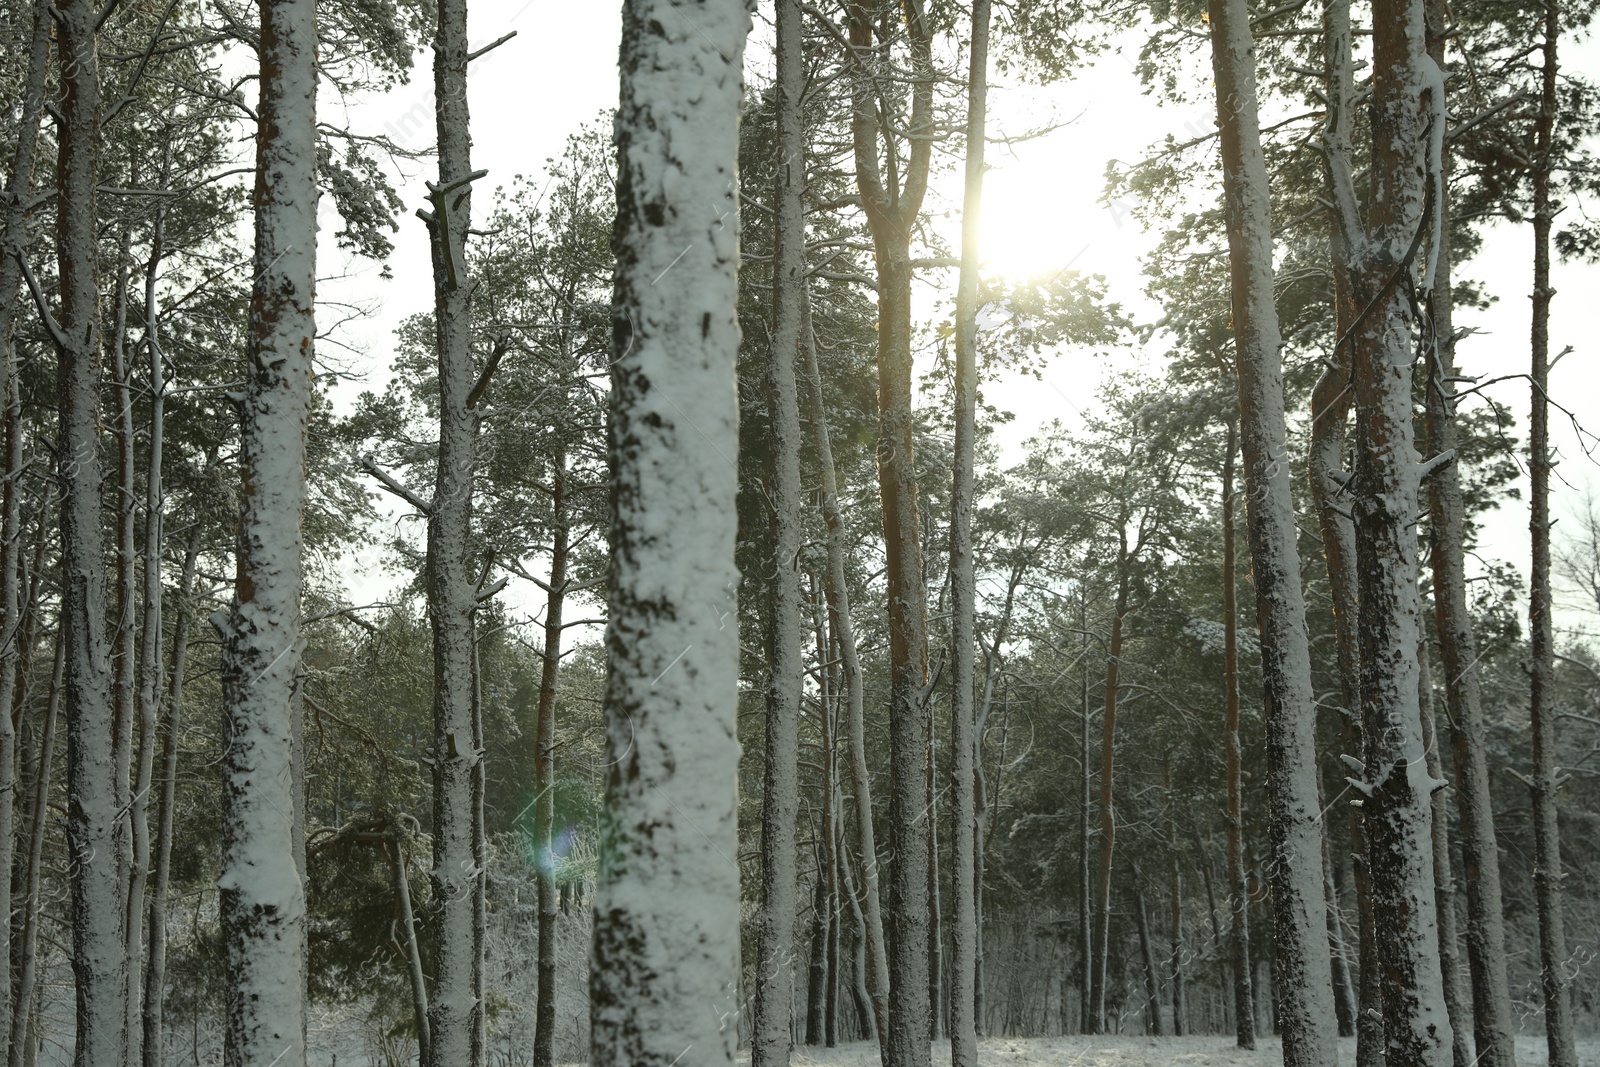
1041 211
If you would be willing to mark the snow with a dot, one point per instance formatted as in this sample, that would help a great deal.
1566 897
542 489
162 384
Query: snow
1212 1050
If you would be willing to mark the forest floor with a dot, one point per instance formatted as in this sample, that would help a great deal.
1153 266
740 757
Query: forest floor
1213 1050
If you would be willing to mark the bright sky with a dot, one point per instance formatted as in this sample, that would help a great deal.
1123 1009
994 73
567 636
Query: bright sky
1041 211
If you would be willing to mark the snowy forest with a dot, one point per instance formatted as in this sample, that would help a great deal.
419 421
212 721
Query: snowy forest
679 644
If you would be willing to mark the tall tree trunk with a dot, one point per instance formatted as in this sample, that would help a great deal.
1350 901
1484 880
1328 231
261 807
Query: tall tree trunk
148 675
1331 400
263 883
1305 1008
544 767
817 965
1396 785
963 586
858 985
394 852
1492 1020
1486 946
780 797
840 622
891 210
13 240
669 881
99 955
1244 1018
166 818
935 904
32 907
134 834
1444 890
1546 782
983 827
1180 1007
828 720
1108 830
1147 953
1085 887
1345 1005
455 1007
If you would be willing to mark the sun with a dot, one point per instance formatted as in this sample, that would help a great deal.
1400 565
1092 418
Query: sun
1039 217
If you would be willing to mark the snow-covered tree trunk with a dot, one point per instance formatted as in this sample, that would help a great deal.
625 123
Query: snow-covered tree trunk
13 240
544 769
892 203
828 682
936 982
1303 967
30 880
1492 1019
1085 884
149 673
99 955
1492 1036
963 585
1108 824
1180 1006
837 592
399 867
780 797
1331 400
666 907
262 883
1344 992
161 877
125 636
1444 890
1546 781
1152 980
1395 784
1244 1016
455 1008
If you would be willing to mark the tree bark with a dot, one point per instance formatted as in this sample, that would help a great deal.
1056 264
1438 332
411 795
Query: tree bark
154 1052
1492 1033
1345 1005
1395 785
1085 887
669 882
891 210
1444 890
840 622
544 768
1305 1008
936 980
148 675
780 797
1331 401
963 587
817 966
1180 1008
1244 1017
1546 780
1108 829
1147 953
134 834
858 985
455 1007
394 852
32 906
13 241
262 882
99 954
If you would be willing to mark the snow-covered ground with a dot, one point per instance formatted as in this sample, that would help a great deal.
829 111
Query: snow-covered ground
1209 1051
